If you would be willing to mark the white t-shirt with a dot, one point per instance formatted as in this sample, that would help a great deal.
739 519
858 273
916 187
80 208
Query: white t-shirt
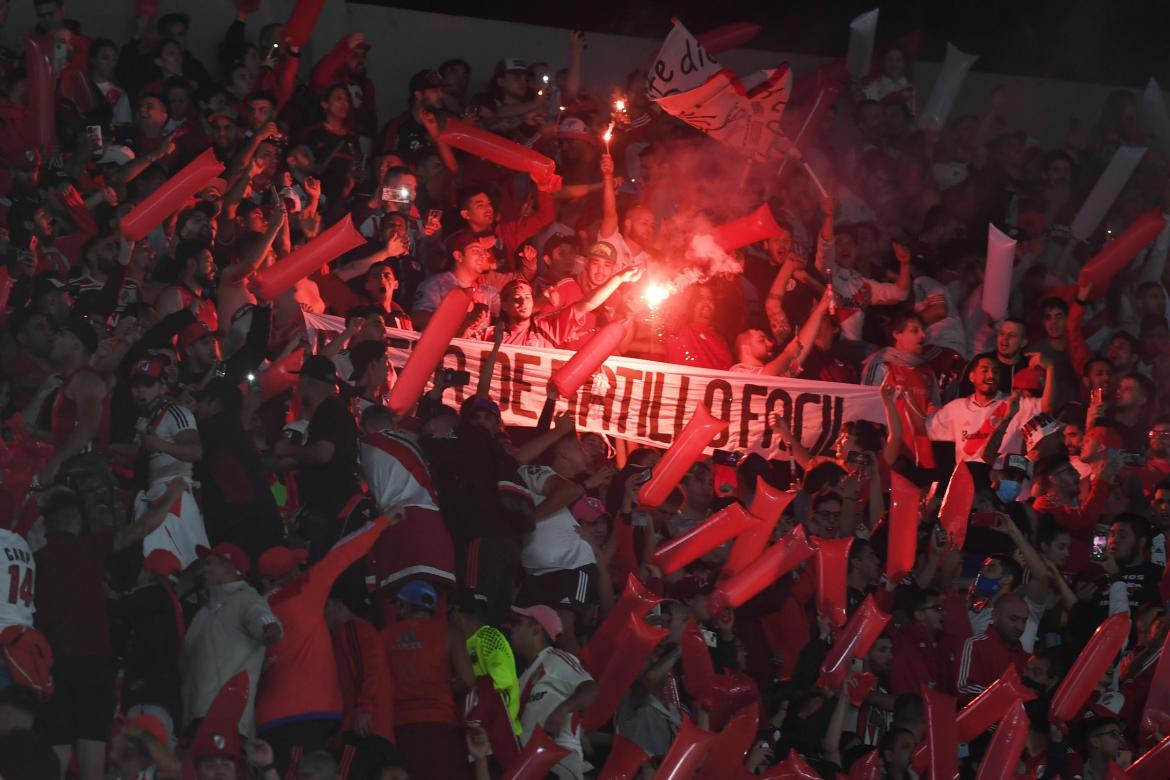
856 292
744 368
168 422
962 419
552 678
947 332
396 471
18 576
626 258
554 545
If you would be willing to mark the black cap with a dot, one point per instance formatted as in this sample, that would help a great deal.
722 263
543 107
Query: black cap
469 600
320 368
424 80
83 329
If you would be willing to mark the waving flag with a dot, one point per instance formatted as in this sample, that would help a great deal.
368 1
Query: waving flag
744 114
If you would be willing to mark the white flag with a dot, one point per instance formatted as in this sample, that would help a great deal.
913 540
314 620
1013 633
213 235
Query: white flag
682 64
997 275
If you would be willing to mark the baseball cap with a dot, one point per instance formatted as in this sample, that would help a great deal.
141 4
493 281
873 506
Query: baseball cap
1019 463
1027 379
460 240
574 129
419 594
362 355
216 742
1040 427
116 155
150 369
151 725
276 562
424 80
1032 224
469 600
191 334
83 329
604 250
226 114
162 562
480 404
547 617
318 367
509 64
228 551
588 509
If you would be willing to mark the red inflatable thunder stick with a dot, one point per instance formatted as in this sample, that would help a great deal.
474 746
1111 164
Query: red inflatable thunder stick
748 229
585 361
955 510
170 197
864 626
497 149
903 537
537 758
719 528
448 319
767 506
793 768
299 27
305 260
1153 765
667 472
278 376
1097 656
832 568
621 669
999 763
1156 715
636 601
941 738
686 754
1116 255
42 90
732 743
625 760
982 712
698 669
776 561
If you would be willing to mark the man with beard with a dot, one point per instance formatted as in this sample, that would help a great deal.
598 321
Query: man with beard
635 241
195 270
1126 412
970 421
225 135
1130 579
227 636
169 436
985 656
416 135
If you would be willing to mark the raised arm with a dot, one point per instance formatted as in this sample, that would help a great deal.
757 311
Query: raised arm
573 77
602 293
609 215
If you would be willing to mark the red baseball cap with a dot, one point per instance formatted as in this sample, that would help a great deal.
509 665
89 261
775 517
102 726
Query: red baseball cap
162 562
230 552
152 726
191 334
276 562
147 368
588 510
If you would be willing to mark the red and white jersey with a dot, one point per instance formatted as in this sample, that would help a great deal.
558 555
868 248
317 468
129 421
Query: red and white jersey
969 425
18 576
168 421
396 471
552 678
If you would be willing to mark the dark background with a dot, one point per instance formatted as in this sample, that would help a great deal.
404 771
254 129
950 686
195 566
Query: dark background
1101 41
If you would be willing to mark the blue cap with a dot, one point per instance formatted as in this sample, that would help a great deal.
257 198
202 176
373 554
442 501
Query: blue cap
419 594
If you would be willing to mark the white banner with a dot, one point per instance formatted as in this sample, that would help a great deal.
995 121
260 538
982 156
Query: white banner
691 86
647 402
1122 165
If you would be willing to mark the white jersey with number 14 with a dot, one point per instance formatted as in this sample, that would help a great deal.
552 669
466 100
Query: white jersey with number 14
18 575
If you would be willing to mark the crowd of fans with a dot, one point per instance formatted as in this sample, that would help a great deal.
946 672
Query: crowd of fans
397 586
